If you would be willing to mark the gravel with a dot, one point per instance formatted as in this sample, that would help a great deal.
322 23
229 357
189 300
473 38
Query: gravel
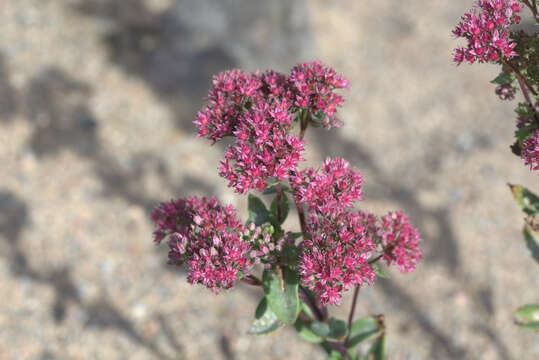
96 103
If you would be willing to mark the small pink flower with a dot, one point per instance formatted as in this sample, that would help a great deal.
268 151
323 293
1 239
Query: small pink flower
335 257
313 86
400 241
231 91
485 29
264 148
330 189
530 151
208 237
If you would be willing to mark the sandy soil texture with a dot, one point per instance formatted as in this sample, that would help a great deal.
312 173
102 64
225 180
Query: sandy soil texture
96 103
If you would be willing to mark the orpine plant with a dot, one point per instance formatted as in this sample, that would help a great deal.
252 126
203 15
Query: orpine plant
489 34
338 247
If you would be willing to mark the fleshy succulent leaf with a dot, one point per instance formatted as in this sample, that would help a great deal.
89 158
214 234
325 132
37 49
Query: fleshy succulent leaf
265 321
281 291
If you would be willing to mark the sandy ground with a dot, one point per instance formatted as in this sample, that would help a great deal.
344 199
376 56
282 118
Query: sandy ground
96 103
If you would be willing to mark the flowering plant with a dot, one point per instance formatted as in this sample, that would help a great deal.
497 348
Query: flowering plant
337 248
491 38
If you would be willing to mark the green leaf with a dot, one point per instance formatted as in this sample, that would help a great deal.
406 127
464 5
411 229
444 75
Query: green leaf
528 201
289 255
285 207
380 272
295 235
306 333
266 321
333 330
532 241
258 214
528 316
378 349
503 79
524 110
523 133
325 346
335 355
281 291
363 329
273 189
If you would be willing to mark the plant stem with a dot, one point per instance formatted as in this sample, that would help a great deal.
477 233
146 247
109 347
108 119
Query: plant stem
301 215
351 315
525 92
520 78
524 86
279 202
533 7
375 259
304 123
340 348
320 313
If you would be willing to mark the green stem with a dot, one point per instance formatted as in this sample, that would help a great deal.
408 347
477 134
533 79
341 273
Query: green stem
304 124
279 202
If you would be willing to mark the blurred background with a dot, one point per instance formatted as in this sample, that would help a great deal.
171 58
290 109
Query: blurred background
96 103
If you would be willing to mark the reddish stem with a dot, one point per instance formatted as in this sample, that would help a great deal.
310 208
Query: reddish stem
340 348
351 315
533 7
320 313
301 215
524 88
520 78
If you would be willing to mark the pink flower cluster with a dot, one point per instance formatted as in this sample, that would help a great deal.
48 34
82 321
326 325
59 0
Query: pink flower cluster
258 110
506 92
530 151
400 241
313 85
207 236
486 31
331 189
264 148
335 255
335 258
230 93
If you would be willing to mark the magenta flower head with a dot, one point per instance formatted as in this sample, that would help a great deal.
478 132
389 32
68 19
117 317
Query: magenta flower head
313 85
264 148
486 30
329 190
335 257
208 237
400 241
231 92
530 151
